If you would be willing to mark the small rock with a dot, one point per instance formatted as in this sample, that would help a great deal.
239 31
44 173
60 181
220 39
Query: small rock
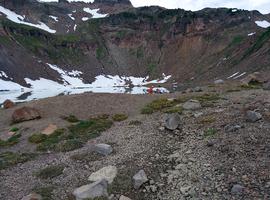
103 149
8 104
96 189
122 197
25 114
232 128
106 173
219 81
266 86
237 189
198 114
253 116
198 89
32 196
139 179
173 122
192 105
49 130
185 190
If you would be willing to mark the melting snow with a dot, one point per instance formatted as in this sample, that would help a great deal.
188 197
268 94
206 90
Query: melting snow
75 27
240 75
70 15
263 24
20 20
95 13
234 10
85 18
3 74
233 75
250 34
73 84
54 18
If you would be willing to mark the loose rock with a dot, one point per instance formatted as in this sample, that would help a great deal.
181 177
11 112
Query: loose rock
49 130
103 149
139 179
192 105
122 197
25 114
237 189
253 116
96 189
266 86
107 173
8 104
173 122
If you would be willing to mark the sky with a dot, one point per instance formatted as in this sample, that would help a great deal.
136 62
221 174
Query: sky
262 5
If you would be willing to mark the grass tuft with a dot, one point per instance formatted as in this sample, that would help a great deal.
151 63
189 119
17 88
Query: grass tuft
71 119
210 132
119 117
50 172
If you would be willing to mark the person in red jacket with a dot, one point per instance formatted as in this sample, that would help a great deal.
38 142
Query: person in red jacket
150 90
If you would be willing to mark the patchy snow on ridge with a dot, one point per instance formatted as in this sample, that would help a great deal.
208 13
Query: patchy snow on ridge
263 24
239 76
54 18
94 13
233 75
3 74
250 34
20 20
70 15
85 18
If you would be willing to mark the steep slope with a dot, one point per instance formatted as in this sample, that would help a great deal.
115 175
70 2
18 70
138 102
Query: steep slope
194 47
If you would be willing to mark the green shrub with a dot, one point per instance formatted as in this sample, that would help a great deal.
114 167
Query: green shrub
119 117
69 145
157 105
11 141
14 129
210 132
71 119
176 109
8 159
50 172
45 192
37 138
51 140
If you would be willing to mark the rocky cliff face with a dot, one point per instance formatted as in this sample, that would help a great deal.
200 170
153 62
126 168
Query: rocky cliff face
191 46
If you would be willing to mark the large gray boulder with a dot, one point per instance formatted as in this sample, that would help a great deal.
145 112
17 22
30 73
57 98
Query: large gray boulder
192 105
96 189
108 173
139 179
103 149
237 189
173 121
253 116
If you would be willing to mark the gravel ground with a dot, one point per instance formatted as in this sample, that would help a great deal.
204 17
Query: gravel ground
183 164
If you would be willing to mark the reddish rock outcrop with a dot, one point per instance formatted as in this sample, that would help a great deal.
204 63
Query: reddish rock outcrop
25 114
8 104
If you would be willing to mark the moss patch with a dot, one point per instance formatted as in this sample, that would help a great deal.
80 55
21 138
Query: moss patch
210 132
45 192
50 172
11 141
8 159
119 117
71 119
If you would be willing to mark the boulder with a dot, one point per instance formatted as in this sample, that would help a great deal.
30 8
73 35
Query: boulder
139 179
96 189
173 121
8 104
198 89
106 173
103 149
237 189
266 86
25 114
49 130
255 77
122 197
253 116
32 196
219 81
192 105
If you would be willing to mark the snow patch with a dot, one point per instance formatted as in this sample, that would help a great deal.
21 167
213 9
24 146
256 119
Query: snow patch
85 18
250 34
234 10
20 20
263 24
3 74
54 18
75 27
94 13
244 73
233 75
70 15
